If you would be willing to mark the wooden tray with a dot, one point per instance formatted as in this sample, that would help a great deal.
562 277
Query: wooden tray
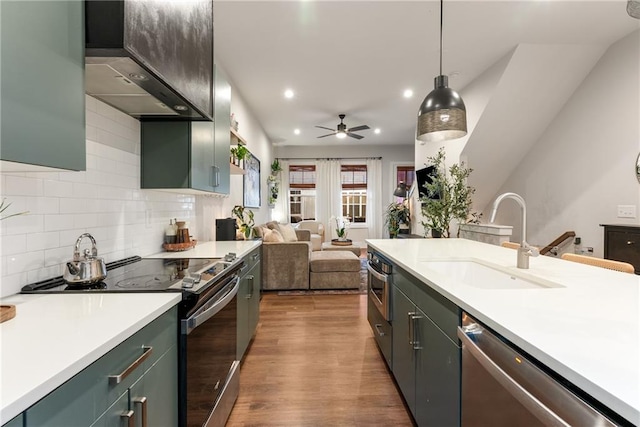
336 242
7 312
177 247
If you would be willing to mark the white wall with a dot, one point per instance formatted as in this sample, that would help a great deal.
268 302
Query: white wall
583 165
106 201
391 156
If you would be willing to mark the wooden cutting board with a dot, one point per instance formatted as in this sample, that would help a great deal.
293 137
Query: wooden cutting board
7 312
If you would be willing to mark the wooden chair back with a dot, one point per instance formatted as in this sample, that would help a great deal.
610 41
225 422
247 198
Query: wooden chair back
625 267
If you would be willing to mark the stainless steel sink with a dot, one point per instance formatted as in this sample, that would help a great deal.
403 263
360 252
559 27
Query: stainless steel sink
481 275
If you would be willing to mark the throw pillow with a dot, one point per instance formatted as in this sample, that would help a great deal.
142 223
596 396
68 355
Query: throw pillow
288 232
273 225
272 236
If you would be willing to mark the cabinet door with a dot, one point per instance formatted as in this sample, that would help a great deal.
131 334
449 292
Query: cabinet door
42 85
203 174
165 155
437 376
254 277
16 422
116 416
243 312
222 136
403 353
154 397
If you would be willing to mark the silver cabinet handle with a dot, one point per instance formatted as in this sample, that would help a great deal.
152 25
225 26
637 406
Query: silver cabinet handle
255 256
537 408
127 419
117 379
630 242
409 315
250 294
379 330
215 176
416 342
142 403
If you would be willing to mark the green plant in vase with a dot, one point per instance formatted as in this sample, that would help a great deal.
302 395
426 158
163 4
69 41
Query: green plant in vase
276 167
448 197
244 218
4 206
395 215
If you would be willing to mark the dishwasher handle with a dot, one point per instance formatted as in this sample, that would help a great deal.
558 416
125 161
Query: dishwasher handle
382 277
533 405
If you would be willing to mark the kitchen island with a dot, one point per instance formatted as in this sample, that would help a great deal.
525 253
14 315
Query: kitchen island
54 337
582 322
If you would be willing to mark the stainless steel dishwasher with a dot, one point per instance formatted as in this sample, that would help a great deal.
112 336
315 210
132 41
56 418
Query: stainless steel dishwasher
500 387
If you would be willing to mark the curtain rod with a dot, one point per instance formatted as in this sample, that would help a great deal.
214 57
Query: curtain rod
329 158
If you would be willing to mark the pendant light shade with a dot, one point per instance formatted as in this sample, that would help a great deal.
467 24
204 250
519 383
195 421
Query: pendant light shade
442 115
401 190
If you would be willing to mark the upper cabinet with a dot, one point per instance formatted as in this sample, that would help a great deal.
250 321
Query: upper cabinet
152 58
189 156
42 85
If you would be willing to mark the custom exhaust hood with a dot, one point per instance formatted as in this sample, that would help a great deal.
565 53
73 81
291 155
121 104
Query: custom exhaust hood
152 59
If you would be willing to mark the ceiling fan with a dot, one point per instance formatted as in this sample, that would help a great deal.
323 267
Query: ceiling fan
342 131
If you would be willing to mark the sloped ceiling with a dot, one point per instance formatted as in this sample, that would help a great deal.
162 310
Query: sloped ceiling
534 86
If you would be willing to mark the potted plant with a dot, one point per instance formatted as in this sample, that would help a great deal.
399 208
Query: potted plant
342 226
448 197
238 153
244 218
276 167
274 189
396 215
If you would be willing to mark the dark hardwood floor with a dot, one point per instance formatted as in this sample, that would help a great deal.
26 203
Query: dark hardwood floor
314 362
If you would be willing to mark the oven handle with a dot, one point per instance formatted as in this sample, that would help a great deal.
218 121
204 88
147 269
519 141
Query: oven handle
379 276
198 318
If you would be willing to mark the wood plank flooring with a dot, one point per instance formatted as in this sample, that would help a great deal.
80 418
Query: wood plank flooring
314 362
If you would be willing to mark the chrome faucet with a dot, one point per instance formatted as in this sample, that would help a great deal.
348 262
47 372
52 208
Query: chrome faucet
524 251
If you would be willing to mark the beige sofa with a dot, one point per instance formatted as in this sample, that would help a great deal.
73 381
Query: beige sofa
317 232
285 265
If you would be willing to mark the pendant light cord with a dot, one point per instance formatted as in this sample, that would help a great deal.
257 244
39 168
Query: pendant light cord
441 14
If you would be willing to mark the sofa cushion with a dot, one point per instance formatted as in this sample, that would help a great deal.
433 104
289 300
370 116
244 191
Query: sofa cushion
332 261
288 232
272 236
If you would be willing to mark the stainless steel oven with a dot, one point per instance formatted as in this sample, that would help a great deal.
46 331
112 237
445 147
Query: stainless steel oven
379 302
379 288
209 373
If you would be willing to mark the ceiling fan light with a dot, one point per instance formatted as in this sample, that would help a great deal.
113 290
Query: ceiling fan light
633 8
442 114
341 135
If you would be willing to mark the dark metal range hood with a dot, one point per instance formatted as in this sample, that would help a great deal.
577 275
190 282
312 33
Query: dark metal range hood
152 59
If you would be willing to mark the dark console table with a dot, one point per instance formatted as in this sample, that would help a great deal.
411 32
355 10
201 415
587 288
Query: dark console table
622 243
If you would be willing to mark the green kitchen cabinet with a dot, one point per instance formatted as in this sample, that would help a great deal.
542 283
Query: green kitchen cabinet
248 301
148 368
42 85
426 359
189 156
16 422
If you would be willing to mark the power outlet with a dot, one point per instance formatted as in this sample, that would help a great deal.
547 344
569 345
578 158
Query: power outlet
626 211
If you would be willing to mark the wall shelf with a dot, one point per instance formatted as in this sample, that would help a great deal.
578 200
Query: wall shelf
236 170
236 139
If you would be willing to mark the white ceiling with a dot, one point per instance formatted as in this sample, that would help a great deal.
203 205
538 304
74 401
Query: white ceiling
357 57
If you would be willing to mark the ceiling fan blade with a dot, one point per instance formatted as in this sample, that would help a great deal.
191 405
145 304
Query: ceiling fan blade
329 134
356 136
322 127
357 128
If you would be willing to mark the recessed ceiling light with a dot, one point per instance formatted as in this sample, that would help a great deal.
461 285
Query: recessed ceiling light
180 107
288 94
408 93
296 131
376 131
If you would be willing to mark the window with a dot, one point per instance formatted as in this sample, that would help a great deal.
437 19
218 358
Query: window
406 174
354 192
302 192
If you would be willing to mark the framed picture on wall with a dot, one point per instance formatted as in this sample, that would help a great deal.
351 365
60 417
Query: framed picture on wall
251 181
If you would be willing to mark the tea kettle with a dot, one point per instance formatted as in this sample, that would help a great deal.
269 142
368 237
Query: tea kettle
89 268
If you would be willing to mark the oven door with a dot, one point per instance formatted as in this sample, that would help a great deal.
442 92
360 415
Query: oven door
378 285
209 372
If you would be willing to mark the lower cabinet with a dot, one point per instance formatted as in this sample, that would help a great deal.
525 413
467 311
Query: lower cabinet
136 383
426 360
249 301
16 422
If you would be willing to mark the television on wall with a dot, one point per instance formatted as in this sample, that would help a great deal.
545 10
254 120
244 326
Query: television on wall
424 176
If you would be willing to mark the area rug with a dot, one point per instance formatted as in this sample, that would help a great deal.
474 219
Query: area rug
361 290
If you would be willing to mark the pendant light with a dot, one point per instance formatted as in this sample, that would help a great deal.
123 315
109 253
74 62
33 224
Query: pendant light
401 190
442 115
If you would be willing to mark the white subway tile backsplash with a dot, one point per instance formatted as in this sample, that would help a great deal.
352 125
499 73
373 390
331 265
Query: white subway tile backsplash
105 200
41 241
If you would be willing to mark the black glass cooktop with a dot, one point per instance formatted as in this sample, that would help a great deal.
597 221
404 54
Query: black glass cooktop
139 275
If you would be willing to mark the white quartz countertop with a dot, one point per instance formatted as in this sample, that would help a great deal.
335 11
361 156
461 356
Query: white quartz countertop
212 250
53 337
587 329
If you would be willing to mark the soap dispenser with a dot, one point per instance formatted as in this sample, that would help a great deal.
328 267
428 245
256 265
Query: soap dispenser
170 233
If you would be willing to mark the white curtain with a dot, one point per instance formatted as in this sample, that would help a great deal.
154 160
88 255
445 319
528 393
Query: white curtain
328 195
374 199
281 211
